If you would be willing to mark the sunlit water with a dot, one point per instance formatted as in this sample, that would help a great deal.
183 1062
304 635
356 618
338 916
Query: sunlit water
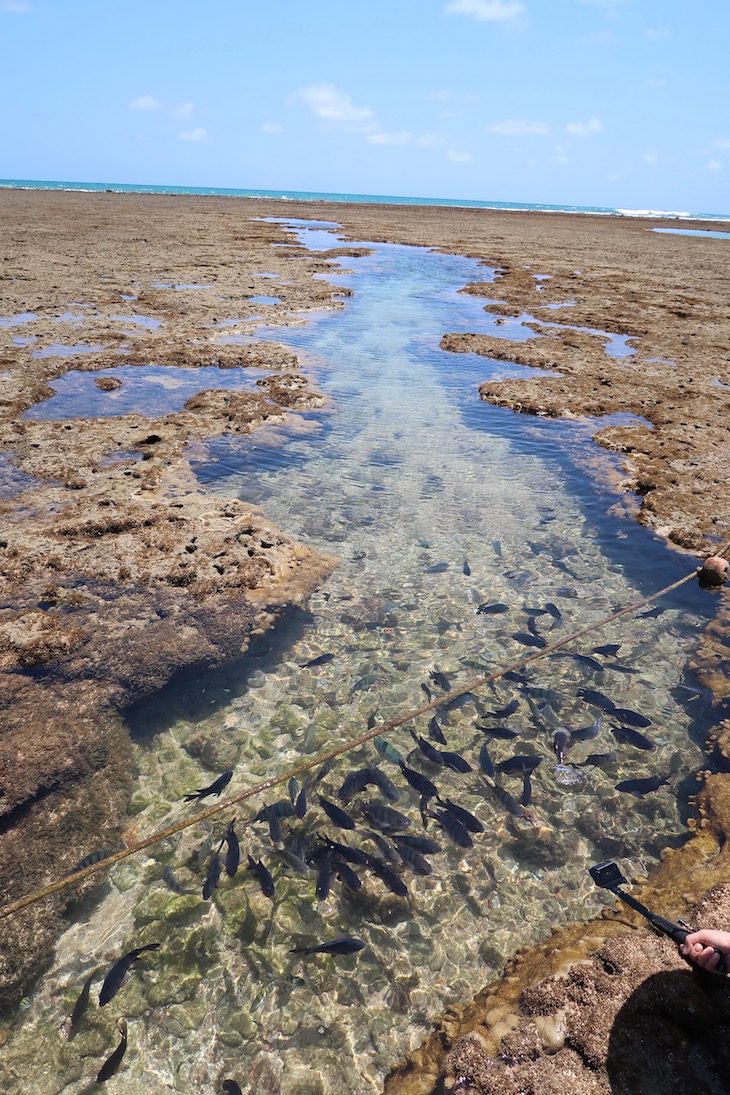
406 470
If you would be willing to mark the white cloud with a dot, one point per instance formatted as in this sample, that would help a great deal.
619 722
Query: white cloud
183 110
714 165
584 129
514 128
333 105
722 142
15 7
402 137
654 83
656 34
145 102
488 10
460 157
197 134
271 127
650 157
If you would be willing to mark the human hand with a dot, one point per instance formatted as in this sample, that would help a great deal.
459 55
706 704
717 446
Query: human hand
706 947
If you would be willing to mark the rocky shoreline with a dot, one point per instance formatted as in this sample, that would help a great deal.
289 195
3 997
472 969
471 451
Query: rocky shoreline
118 573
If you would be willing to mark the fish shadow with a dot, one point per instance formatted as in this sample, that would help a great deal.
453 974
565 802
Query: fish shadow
670 1037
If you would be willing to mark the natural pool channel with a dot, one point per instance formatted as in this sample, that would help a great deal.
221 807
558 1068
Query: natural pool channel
435 504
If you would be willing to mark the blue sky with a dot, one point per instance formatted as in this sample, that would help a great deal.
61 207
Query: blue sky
621 103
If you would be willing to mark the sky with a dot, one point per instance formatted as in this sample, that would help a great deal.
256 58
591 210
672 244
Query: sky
617 103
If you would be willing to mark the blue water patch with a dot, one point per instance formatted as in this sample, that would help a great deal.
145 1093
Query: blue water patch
140 321
61 349
150 390
693 232
19 320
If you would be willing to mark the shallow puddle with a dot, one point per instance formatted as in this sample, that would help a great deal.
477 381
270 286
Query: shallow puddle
152 390
466 539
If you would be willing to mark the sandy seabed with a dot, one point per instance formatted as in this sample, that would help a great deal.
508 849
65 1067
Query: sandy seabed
117 572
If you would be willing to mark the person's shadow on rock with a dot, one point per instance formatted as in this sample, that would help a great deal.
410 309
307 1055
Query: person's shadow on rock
672 1037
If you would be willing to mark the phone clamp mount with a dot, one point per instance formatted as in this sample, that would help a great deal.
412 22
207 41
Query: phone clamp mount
608 876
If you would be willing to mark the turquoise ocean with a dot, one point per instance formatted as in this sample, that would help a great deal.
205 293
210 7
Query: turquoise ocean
371 199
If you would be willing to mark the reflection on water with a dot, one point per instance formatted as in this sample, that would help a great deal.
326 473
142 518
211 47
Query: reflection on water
465 540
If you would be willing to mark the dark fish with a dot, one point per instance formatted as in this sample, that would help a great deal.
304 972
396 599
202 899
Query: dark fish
386 847
428 750
89 860
609 649
497 548
385 818
415 861
561 745
384 784
532 626
453 828
336 814
505 712
502 732
620 668
233 849
231 1087
82 1003
344 945
213 877
455 762
522 763
372 719
526 796
387 751
651 613
354 783
300 806
466 568
437 568
516 677
292 860
266 882
630 718
422 844
363 683
344 851
435 732
584 733
440 680
632 737
427 690
293 789
324 876
173 884
473 824
485 761
388 876
487 609
115 976
504 798
529 640
553 611
113 1062
597 699
535 611
419 782
639 787
348 877
560 565
321 660
598 760
214 788
584 659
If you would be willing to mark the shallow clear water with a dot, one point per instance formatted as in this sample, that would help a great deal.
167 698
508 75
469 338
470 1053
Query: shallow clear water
406 470
152 390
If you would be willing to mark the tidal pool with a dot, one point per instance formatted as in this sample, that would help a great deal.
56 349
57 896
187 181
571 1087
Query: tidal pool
439 507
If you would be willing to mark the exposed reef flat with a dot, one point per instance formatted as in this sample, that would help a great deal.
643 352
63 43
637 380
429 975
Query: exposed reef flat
119 573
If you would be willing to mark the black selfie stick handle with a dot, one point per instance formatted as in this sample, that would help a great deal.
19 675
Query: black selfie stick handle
667 927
